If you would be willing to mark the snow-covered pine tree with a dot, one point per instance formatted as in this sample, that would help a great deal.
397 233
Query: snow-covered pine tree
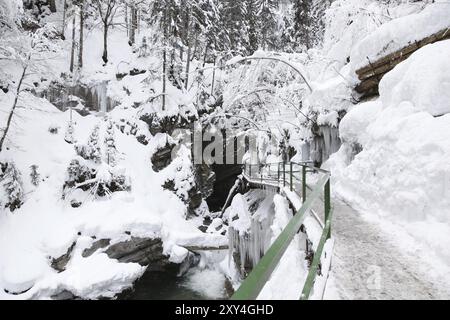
12 183
69 137
34 175
94 145
303 23
92 150
233 16
110 143
77 173
268 27
251 19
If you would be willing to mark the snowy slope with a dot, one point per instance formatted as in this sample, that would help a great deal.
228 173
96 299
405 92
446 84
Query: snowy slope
46 225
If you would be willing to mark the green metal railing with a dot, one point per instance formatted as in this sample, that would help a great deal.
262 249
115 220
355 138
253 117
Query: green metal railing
286 174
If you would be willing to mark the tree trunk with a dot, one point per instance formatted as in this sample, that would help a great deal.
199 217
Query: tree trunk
213 77
72 54
105 43
188 58
138 21
11 114
206 54
81 48
126 19
52 5
63 29
133 25
164 76
164 79
195 47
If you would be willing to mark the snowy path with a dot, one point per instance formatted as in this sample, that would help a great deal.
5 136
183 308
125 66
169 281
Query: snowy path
366 265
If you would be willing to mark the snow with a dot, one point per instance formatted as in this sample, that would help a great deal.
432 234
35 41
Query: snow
400 180
423 79
293 263
402 174
399 33
215 280
46 226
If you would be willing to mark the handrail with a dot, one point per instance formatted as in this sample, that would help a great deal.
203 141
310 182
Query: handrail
255 282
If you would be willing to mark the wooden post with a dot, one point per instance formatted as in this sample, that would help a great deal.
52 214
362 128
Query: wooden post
327 201
279 173
284 174
292 177
304 183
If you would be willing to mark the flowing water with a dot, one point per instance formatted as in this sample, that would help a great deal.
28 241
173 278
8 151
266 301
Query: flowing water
195 285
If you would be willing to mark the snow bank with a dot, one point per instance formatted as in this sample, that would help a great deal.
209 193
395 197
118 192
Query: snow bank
398 33
403 172
46 225
423 79
280 286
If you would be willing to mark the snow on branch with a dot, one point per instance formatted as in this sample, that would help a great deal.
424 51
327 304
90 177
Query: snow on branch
240 59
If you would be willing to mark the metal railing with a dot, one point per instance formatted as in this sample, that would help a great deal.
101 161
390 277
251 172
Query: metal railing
291 175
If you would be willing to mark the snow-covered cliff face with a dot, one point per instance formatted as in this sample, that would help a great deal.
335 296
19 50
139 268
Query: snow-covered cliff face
73 232
393 163
402 173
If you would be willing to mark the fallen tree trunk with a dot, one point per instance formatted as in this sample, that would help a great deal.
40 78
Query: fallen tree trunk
372 74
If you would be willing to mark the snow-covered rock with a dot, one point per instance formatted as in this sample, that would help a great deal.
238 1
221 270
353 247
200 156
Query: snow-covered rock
398 33
423 79
403 171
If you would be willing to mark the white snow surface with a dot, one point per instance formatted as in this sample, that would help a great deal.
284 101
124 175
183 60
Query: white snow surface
423 79
403 172
399 33
287 280
46 226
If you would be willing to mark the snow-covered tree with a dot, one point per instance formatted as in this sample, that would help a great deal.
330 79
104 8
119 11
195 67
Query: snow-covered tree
28 52
69 137
107 11
11 180
34 175
303 22
92 150
233 16
268 26
110 144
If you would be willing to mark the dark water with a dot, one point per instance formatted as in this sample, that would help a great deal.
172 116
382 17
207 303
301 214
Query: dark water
226 176
162 286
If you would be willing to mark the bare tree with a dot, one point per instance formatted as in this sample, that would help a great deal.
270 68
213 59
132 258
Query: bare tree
29 55
72 52
133 26
63 29
107 10
16 99
188 40
81 40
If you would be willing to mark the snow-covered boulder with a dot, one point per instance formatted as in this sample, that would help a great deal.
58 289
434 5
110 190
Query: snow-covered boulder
423 79
353 126
402 173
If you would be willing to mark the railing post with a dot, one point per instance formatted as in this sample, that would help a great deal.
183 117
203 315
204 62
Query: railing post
250 170
327 200
292 177
279 173
284 174
304 183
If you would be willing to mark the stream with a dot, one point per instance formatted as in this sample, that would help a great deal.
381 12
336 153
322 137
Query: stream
168 286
